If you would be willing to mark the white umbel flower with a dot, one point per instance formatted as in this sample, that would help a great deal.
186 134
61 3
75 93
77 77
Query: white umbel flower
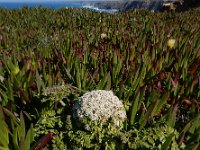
100 105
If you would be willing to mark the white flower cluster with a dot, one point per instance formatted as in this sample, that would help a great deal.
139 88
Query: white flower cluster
103 36
100 105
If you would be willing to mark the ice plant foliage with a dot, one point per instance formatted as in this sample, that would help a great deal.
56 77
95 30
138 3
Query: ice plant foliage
149 60
100 105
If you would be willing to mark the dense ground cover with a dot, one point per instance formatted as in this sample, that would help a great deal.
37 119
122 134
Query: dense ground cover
49 58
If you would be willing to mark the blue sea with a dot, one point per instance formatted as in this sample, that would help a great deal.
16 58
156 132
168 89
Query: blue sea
54 5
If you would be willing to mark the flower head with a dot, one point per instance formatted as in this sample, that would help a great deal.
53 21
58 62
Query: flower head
1 78
100 105
103 36
171 43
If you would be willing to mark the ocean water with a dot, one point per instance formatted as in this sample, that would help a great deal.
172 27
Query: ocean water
54 5
154 5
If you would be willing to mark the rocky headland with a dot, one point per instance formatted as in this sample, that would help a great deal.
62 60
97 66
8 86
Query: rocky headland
155 5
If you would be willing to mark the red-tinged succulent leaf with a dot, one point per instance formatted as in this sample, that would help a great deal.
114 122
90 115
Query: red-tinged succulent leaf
187 101
195 80
44 141
162 75
195 68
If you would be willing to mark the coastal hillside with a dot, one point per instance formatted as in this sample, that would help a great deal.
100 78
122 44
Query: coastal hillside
125 5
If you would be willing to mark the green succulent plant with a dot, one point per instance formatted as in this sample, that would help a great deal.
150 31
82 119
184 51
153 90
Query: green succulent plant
49 58
14 135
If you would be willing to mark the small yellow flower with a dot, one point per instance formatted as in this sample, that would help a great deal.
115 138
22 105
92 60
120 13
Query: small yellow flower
171 43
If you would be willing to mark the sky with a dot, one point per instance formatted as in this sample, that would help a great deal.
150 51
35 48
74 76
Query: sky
52 0
44 0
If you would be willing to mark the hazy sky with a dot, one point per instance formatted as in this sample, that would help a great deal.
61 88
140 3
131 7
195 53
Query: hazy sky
50 0
44 0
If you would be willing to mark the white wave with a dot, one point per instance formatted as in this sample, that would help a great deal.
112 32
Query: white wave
100 10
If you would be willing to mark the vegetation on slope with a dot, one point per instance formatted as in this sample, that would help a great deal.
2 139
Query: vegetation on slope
49 58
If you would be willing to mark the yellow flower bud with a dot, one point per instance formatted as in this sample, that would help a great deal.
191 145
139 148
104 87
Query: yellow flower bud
15 70
171 43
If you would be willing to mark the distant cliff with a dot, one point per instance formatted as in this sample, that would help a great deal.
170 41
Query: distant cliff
125 5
